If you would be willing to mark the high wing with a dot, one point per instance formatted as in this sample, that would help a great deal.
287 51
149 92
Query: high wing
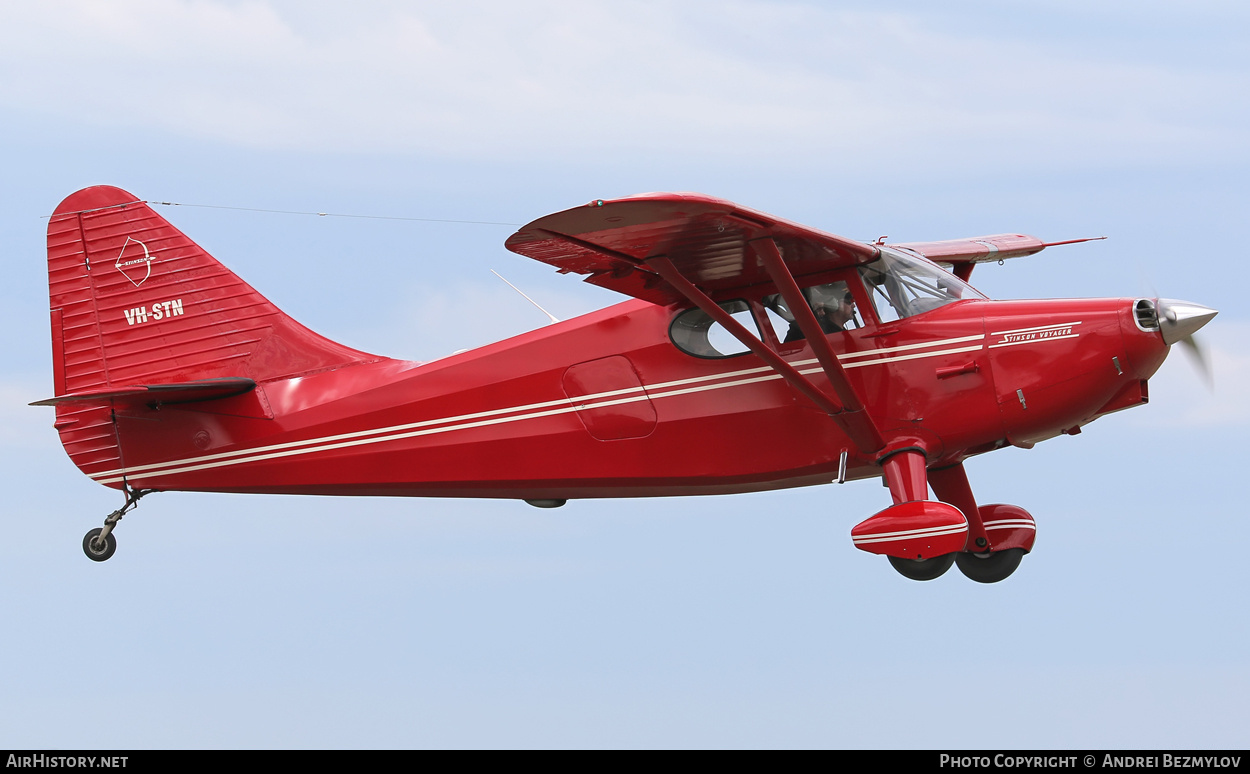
708 240
666 247
963 254
978 249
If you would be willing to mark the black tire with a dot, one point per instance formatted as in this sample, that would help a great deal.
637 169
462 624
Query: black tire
93 551
923 569
989 568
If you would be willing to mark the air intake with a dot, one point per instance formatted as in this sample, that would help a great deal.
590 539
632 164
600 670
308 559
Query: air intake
1146 314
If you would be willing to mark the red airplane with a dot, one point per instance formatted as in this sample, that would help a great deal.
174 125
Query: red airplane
754 354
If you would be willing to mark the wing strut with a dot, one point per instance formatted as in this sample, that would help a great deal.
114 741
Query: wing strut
854 419
860 428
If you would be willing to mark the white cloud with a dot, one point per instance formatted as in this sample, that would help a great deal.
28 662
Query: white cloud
760 81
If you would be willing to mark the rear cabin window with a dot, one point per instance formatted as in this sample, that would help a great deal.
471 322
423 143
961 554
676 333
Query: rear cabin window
696 333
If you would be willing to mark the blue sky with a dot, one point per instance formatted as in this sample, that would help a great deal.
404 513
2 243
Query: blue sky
246 621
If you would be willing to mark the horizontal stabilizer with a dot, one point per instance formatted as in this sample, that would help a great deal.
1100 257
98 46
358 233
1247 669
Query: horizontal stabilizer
182 392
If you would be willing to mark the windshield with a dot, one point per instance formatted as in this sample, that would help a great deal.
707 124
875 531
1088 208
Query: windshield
902 285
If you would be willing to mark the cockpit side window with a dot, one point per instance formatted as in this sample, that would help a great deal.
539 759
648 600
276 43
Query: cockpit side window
902 285
832 303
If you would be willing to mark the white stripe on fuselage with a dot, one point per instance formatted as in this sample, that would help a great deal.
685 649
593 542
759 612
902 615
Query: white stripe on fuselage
539 410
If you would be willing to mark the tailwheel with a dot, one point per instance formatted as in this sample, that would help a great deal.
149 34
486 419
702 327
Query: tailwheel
923 569
97 548
99 544
990 567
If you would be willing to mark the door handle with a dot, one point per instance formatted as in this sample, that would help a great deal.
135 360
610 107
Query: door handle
949 371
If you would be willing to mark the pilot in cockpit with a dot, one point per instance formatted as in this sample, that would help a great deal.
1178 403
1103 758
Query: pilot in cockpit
833 306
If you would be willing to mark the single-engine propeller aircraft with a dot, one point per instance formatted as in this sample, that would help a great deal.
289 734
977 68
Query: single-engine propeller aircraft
754 354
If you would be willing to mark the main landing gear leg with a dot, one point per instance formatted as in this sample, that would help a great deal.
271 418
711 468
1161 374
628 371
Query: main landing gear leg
950 485
99 544
919 536
998 535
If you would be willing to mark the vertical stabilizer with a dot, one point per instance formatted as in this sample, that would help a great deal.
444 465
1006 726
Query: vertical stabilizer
135 302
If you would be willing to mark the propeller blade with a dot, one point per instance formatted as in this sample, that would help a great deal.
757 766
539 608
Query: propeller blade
1200 361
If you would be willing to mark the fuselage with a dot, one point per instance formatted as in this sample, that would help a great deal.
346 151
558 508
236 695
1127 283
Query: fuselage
605 405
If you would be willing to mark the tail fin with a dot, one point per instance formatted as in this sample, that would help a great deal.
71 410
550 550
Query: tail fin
135 302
